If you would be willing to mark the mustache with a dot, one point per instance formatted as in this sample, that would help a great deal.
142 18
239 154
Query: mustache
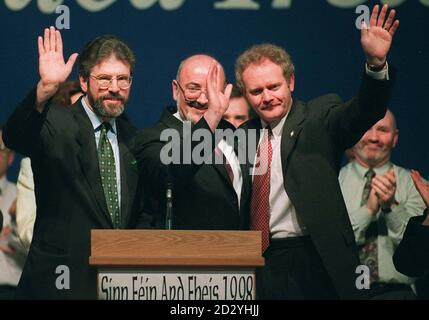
113 97
269 105
197 105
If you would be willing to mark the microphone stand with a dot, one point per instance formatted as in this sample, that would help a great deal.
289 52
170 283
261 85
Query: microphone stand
169 206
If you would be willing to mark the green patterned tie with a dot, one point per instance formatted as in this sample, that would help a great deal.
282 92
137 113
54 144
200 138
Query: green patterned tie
368 252
106 162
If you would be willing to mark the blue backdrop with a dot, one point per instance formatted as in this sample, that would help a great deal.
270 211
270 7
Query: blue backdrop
320 35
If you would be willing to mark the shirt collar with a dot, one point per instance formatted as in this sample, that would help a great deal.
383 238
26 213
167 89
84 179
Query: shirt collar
177 115
276 126
95 120
361 170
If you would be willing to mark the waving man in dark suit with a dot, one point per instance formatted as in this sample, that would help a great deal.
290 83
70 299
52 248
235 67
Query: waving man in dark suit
84 173
296 201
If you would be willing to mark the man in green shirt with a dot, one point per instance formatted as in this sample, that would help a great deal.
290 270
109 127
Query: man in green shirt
380 198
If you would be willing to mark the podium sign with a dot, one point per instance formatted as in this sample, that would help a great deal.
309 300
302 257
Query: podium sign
176 285
176 265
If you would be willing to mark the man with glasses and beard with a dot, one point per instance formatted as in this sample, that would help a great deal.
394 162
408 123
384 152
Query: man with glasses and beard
84 172
207 196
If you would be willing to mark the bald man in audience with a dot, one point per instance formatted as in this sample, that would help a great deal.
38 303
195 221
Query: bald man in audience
380 198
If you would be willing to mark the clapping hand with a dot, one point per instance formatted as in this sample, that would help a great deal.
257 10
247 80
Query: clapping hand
385 188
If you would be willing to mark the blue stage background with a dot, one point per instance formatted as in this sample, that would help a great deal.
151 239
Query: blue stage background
320 36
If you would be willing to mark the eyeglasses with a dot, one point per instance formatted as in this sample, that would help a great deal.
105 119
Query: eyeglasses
191 94
104 82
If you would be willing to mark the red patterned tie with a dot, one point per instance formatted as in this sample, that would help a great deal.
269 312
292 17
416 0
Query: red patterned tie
260 202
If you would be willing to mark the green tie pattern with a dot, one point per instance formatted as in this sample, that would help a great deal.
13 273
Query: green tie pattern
368 252
106 162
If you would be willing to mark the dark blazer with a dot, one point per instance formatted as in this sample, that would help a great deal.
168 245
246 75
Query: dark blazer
69 194
412 255
314 137
203 196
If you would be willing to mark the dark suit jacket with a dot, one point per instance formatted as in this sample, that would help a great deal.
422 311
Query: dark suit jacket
203 196
69 194
314 137
412 255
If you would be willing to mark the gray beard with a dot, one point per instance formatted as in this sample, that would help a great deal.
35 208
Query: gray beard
184 117
373 162
100 111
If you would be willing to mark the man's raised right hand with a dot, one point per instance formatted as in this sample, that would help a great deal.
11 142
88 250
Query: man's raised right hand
53 69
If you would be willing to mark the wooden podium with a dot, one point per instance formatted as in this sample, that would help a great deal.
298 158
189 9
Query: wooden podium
175 264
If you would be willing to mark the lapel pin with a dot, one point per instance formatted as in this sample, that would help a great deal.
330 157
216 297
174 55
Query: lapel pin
292 133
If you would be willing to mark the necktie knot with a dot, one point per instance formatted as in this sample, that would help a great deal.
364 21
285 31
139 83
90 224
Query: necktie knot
105 127
370 174
269 131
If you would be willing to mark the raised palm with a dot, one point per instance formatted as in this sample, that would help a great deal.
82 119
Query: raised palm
218 98
52 67
377 38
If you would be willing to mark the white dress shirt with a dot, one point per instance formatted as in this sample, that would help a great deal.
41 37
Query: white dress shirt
25 203
283 219
11 264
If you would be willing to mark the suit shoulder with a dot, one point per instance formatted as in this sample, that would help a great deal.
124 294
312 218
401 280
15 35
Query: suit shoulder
223 124
251 124
59 117
61 110
329 98
150 134
321 107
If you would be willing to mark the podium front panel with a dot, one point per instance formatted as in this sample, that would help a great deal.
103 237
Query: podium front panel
186 284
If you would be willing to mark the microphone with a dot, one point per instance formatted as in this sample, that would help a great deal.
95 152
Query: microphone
169 206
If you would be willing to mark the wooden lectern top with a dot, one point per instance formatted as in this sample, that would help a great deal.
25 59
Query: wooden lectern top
129 248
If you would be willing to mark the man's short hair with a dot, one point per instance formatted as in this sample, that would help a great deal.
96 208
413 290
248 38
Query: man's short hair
102 48
258 54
